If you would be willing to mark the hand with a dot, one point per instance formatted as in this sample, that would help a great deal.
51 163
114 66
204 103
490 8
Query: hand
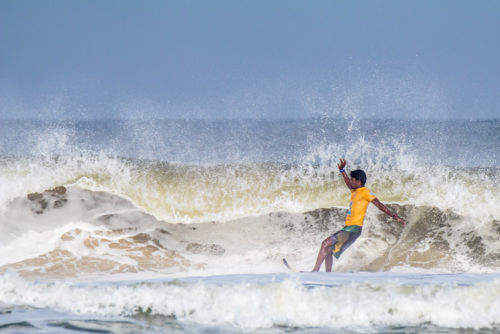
341 164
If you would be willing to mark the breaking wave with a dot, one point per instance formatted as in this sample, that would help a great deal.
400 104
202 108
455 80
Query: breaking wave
355 302
72 231
70 209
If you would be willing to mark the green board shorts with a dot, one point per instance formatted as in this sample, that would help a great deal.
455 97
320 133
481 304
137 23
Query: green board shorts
341 240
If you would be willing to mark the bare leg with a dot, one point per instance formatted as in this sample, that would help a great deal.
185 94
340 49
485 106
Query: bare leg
325 251
327 248
329 261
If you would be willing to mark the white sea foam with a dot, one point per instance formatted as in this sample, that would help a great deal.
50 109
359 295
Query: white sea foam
40 243
251 302
97 232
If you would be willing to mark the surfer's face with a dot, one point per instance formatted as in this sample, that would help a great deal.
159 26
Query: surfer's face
355 183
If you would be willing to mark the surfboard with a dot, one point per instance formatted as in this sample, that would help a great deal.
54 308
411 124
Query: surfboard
285 262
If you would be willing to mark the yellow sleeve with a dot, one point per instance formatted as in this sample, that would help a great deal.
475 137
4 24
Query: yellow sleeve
368 195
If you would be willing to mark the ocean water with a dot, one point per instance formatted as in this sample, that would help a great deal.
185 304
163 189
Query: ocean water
180 226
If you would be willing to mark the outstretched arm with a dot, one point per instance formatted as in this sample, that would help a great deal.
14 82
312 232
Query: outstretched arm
388 212
341 166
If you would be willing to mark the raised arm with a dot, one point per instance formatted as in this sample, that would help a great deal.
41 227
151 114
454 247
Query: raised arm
347 180
388 212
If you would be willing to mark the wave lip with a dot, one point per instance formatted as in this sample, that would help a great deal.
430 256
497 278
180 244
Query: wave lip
337 301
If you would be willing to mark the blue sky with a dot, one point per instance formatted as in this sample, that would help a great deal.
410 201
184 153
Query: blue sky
249 59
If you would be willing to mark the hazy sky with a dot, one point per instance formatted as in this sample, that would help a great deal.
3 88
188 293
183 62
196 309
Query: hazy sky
258 59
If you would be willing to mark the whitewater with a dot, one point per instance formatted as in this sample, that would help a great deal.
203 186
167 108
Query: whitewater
180 226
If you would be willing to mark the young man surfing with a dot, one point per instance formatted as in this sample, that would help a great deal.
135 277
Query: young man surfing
338 242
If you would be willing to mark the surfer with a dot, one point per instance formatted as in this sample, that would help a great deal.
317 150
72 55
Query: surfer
338 242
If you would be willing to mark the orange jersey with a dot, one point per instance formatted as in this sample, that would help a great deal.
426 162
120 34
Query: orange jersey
360 198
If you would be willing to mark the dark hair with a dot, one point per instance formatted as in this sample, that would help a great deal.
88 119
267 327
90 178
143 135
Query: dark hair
358 174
